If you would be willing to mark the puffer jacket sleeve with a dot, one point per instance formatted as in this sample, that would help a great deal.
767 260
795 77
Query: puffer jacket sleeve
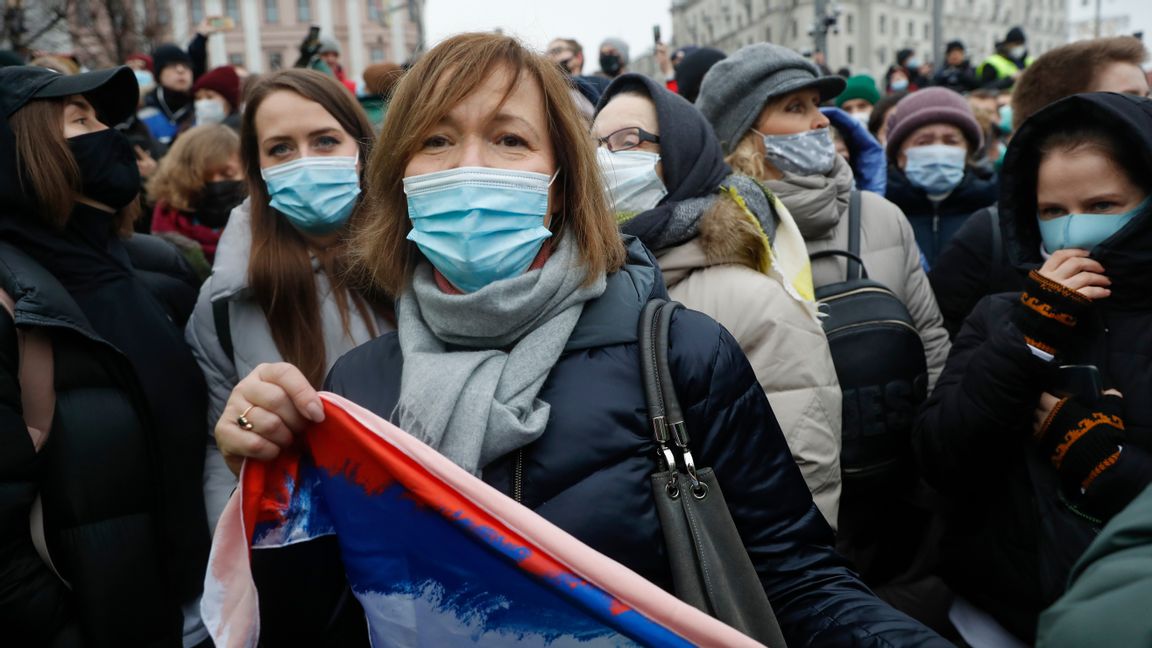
968 430
917 294
220 374
792 361
1111 585
34 604
817 598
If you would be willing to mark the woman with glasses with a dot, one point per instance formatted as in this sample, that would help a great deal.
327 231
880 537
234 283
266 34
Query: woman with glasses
716 236
516 357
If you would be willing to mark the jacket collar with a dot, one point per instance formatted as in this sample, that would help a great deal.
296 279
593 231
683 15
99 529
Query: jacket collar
614 316
230 269
40 299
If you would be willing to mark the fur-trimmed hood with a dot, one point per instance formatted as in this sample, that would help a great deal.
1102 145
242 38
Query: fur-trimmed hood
726 237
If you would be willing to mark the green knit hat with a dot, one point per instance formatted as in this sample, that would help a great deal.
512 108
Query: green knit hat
860 86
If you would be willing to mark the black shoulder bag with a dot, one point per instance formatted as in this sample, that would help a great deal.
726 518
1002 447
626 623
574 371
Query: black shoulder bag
711 569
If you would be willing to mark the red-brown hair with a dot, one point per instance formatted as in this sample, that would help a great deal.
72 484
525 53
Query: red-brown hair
280 272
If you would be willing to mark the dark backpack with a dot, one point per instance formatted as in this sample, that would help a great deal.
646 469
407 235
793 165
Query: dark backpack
881 366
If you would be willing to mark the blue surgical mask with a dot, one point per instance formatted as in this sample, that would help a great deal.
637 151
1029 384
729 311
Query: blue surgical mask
631 179
1085 231
478 225
315 194
936 168
144 79
899 85
810 153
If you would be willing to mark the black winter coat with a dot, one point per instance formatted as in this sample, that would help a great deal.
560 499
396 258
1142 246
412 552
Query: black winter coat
960 78
1013 536
123 517
588 473
936 223
970 267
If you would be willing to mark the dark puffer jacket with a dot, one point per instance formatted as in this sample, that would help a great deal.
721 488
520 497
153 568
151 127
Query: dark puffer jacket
1014 537
588 473
936 223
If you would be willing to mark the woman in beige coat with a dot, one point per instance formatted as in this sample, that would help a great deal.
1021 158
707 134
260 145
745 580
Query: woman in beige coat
716 237
763 102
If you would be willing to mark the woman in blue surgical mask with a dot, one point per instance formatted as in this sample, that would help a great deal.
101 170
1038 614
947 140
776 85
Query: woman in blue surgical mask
279 289
717 237
516 353
1040 428
932 136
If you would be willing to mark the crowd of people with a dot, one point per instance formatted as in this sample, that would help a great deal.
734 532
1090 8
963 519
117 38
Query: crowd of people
917 356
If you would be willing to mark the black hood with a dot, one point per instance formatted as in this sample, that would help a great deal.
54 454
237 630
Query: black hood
1127 254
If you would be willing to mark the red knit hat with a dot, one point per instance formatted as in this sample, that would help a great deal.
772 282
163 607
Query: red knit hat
931 106
224 81
143 58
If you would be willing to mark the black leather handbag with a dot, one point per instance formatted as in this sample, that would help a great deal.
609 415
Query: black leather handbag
711 569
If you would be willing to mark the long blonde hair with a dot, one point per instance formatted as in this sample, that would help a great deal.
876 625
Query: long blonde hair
422 98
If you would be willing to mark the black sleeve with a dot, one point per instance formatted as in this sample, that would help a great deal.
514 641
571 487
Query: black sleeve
961 276
817 598
198 52
977 420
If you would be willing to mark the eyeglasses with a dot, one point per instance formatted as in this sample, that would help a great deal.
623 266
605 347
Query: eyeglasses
627 139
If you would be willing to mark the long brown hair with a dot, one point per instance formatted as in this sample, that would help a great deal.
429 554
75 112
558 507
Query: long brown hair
280 272
48 172
443 78
185 169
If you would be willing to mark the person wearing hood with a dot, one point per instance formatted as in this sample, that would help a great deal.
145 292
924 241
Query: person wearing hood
714 234
303 144
957 73
196 187
931 137
692 69
864 154
1040 429
975 263
613 58
763 102
537 353
1004 67
100 444
217 95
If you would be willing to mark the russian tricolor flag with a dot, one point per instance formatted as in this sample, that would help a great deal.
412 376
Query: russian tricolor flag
435 556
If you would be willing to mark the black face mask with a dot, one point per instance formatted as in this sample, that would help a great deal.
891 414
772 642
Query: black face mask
217 200
108 171
610 63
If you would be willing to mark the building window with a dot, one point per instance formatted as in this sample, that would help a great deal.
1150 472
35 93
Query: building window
883 23
275 60
374 11
795 28
272 11
236 59
197 11
849 23
768 34
377 54
883 56
303 11
849 55
927 31
911 29
233 11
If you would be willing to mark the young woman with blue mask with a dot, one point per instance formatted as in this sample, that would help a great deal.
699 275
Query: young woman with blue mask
1040 428
527 372
931 137
717 237
279 290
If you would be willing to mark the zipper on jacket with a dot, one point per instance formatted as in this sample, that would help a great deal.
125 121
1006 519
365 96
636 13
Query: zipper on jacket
935 228
518 476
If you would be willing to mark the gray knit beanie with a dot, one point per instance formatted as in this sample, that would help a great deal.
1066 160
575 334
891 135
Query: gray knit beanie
619 45
736 89
328 44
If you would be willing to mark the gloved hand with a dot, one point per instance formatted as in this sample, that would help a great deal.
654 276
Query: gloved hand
1082 442
1049 313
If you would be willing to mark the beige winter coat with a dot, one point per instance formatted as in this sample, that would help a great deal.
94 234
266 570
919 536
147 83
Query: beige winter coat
715 273
887 246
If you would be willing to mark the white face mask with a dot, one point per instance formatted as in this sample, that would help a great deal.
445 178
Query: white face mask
862 116
1017 52
631 180
209 111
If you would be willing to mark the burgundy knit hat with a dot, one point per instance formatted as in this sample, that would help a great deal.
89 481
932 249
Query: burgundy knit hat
223 80
143 58
931 106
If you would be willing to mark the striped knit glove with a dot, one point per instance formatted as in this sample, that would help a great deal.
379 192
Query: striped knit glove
1049 313
1083 442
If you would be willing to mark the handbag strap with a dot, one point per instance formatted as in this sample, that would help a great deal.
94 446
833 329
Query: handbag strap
664 412
855 268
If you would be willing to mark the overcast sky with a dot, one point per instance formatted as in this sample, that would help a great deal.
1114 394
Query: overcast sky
590 21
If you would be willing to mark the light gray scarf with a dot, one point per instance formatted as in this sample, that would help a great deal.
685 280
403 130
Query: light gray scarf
816 202
477 403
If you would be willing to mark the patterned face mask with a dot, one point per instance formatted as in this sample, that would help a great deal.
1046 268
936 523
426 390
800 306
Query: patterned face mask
810 153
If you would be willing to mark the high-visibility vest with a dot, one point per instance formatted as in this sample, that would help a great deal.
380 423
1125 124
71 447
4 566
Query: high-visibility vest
1005 67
